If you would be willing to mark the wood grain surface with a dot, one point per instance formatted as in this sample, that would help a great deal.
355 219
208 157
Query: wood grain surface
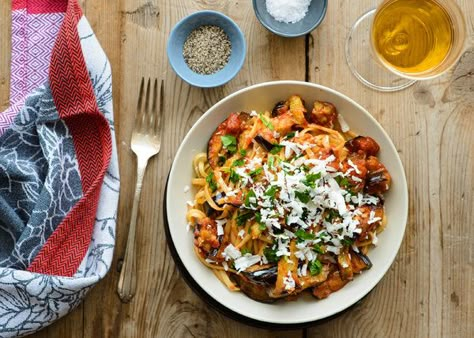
428 291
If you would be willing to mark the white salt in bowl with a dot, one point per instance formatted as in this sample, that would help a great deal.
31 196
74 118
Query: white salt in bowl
313 18
306 309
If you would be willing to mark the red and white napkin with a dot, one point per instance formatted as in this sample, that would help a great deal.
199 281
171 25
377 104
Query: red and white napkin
59 180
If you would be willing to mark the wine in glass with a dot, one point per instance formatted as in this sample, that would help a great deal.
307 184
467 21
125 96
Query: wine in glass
409 40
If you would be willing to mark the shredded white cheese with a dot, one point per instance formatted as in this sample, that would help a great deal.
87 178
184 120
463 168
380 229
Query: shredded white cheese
344 126
220 229
231 252
246 261
289 281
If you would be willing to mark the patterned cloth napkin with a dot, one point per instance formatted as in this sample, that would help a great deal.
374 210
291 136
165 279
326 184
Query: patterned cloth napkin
59 179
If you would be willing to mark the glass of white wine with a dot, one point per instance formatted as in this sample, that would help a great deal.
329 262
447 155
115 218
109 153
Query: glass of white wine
401 41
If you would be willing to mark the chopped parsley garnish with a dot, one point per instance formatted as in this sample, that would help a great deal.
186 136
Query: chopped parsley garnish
221 160
265 122
243 152
322 235
210 181
271 161
290 135
347 241
245 251
311 179
256 171
303 235
229 142
258 218
342 181
250 194
271 255
315 267
271 192
303 196
238 163
318 249
276 149
234 177
242 218
331 214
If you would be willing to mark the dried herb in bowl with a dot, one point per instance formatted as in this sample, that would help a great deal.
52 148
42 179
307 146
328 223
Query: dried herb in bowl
207 49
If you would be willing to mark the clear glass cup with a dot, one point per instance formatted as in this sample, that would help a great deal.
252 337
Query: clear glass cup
376 72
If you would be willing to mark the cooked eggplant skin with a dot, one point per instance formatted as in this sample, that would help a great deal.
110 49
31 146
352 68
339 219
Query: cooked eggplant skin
256 291
365 144
264 143
360 262
210 212
280 108
332 284
262 274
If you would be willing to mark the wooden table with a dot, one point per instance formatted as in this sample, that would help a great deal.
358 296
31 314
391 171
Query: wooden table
428 290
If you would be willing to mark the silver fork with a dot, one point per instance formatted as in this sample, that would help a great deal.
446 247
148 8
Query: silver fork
146 142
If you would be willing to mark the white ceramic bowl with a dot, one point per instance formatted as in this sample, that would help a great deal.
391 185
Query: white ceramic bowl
306 309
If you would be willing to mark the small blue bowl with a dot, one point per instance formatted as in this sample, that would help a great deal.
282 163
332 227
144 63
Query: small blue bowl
179 35
314 17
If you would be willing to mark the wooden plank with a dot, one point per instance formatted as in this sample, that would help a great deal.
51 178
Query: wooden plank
427 291
164 305
424 294
105 18
5 52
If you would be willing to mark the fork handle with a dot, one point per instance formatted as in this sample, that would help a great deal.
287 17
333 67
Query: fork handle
127 284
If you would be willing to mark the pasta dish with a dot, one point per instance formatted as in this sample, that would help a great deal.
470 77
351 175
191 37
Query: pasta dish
287 200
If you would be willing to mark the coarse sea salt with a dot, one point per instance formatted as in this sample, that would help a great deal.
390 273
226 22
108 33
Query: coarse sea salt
288 11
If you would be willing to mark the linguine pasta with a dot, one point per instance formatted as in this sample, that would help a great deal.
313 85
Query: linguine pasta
287 200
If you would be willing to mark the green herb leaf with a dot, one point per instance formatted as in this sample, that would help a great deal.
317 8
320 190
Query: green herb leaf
271 255
256 171
271 192
311 179
245 251
347 241
250 194
303 235
242 218
221 160
331 215
210 181
243 152
315 267
258 218
229 142
318 249
276 149
322 235
234 177
238 163
342 181
271 161
290 135
266 123
303 196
